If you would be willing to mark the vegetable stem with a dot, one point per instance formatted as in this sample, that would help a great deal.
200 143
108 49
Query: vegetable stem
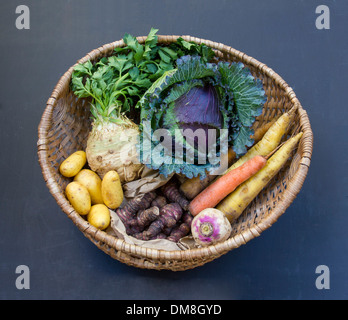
206 229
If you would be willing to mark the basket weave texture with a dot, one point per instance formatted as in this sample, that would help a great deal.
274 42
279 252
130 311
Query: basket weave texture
65 125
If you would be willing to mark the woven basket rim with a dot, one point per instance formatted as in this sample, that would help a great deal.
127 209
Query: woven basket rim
158 254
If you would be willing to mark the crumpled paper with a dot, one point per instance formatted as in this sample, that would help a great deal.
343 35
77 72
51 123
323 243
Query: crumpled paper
119 229
187 243
149 180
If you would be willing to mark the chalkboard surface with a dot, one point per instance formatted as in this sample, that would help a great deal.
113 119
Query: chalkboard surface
302 256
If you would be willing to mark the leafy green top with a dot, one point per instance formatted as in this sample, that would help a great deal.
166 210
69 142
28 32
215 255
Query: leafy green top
116 83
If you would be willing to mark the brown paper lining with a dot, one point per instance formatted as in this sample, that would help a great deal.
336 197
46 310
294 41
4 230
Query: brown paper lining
149 181
119 229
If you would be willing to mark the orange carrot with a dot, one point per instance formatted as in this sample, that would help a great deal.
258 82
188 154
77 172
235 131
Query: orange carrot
223 186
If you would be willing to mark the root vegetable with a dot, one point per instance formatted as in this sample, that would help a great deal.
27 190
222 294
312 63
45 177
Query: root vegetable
167 231
114 88
270 140
144 218
111 190
72 165
182 229
235 203
192 187
92 182
99 216
172 193
159 202
78 197
131 208
112 146
224 185
159 236
169 216
260 132
210 226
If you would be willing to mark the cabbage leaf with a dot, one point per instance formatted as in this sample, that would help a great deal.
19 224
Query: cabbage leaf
196 94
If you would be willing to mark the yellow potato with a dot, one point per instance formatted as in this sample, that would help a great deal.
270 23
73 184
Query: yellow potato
73 164
78 197
112 190
99 216
92 182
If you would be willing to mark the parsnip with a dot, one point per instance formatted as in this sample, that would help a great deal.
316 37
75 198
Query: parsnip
269 141
235 203
192 187
226 184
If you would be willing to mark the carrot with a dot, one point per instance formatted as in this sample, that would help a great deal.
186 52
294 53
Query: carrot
224 185
269 141
192 187
236 202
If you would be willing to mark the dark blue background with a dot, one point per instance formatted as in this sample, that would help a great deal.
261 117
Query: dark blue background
281 263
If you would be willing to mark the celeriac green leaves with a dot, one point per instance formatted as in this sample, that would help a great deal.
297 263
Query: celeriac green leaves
116 83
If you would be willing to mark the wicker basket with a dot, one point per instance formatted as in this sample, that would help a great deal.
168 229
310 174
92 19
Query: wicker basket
64 128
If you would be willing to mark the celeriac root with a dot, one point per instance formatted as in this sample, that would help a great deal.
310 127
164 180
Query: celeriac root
112 146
